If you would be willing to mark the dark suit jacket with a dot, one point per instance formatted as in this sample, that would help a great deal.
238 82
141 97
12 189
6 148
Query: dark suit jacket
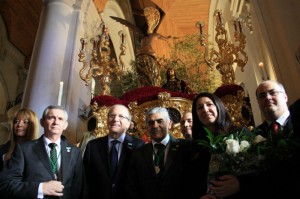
142 182
281 181
3 150
30 165
98 171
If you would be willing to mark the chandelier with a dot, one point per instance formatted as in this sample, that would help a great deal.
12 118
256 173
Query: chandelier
101 65
228 52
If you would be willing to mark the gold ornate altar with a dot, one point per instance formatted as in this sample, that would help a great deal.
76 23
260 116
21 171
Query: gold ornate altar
233 97
165 100
148 67
138 109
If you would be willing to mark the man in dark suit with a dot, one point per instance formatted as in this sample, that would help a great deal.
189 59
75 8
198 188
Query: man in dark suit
279 180
36 171
156 168
106 159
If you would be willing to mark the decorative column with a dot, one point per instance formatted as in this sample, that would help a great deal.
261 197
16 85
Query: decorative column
48 66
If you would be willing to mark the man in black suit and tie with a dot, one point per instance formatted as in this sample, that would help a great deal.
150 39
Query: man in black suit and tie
48 167
156 168
281 179
106 158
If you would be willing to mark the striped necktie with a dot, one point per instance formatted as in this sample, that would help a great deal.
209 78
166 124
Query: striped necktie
53 158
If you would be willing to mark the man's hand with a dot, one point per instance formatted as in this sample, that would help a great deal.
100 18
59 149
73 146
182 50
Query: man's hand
226 185
53 188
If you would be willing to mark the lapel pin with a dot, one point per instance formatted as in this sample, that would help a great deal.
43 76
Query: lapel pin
68 149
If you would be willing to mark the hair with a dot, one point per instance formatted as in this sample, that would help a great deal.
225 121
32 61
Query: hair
152 16
169 76
185 112
112 107
163 111
222 124
281 87
91 124
45 113
32 130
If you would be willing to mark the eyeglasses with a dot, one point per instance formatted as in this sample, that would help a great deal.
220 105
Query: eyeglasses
270 92
122 117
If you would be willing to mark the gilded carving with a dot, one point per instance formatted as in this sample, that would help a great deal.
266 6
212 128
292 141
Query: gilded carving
138 113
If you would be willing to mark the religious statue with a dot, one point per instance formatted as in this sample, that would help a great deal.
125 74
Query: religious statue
148 66
174 84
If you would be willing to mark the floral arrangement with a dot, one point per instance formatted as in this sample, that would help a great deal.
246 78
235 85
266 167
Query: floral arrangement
234 153
248 152
277 147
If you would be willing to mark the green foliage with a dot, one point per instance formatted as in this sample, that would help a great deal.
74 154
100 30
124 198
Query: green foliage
129 80
188 61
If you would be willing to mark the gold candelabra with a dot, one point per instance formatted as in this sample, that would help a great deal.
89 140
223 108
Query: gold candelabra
228 53
101 65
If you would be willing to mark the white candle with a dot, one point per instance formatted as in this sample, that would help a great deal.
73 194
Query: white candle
61 86
264 74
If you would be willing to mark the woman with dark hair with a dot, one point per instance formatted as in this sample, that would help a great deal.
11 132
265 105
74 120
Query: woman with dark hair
209 112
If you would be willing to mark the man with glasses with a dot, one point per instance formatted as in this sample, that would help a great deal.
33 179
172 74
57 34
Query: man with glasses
106 159
272 101
156 169
281 179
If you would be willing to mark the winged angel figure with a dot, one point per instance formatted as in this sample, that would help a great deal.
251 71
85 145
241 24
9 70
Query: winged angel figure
148 67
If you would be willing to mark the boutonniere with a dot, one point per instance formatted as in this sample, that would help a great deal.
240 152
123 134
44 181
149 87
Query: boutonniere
174 148
68 149
129 145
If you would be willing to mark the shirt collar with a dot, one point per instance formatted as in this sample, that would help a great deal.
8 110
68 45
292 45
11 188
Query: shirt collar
165 141
120 139
47 141
282 120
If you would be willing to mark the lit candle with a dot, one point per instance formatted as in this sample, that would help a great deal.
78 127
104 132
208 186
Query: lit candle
200 25
201 28
235 26
82 43
240 26
261 66
219 17
61 86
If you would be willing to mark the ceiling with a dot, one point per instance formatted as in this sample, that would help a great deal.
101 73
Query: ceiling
21 18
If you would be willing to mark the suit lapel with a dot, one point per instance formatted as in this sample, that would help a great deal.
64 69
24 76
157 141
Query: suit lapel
126 148
103 154
172 154
66 151
148 155
40 150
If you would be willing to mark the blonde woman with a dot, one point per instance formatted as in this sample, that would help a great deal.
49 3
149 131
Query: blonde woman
24 127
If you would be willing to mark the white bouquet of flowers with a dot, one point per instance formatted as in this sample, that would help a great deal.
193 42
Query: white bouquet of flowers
233 154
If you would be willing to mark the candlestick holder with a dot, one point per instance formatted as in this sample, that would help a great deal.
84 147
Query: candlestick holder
101 64
228 52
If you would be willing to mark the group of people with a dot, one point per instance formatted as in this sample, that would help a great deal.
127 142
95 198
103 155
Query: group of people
119 166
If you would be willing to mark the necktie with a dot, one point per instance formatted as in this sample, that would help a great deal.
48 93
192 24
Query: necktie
53 158
159 158
275 127
114 157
